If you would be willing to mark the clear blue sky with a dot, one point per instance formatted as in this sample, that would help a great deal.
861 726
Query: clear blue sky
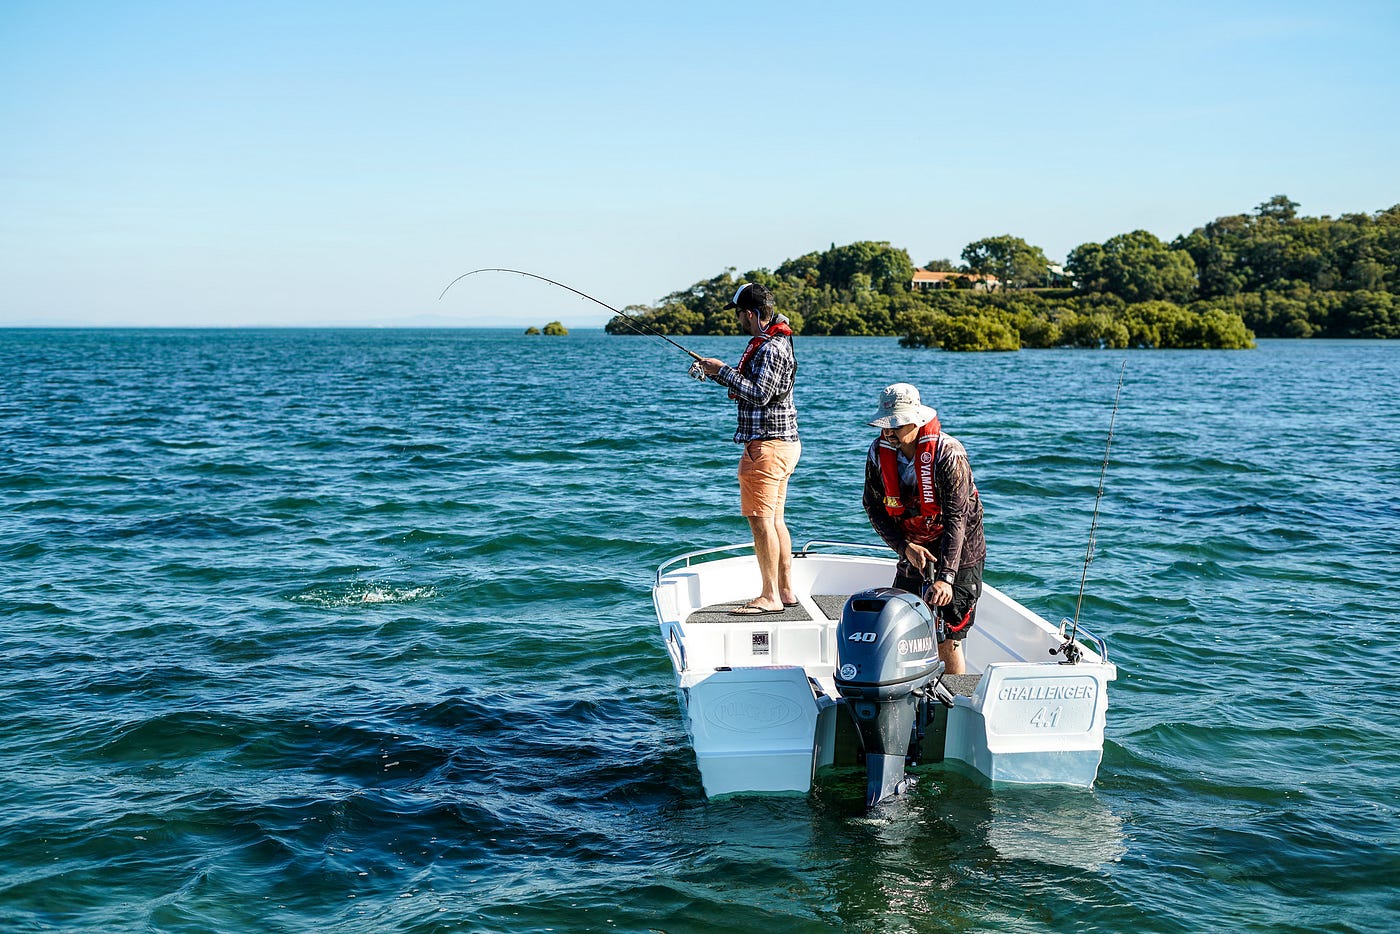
238 163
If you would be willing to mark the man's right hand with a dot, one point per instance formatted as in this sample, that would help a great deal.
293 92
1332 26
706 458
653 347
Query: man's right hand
710 365
940 594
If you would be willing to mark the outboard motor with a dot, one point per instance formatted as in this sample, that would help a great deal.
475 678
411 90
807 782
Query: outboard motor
885 652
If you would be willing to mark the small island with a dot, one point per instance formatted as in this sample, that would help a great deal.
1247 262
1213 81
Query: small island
1270 273
552 329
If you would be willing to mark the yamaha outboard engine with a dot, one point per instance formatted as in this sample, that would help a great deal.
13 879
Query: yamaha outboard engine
885 653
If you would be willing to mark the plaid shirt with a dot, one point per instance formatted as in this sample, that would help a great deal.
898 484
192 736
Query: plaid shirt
764 392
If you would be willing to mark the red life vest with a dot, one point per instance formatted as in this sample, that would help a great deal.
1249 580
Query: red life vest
924 525
776 329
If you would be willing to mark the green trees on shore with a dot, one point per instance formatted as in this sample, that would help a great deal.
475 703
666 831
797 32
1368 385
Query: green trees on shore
1136 267
1291 276
1270 273
1010 321
1014 262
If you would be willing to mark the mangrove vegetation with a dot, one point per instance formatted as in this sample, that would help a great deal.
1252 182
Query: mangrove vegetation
1269 273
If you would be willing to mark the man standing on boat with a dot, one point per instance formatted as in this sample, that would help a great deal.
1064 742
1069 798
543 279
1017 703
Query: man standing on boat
922 500
762 383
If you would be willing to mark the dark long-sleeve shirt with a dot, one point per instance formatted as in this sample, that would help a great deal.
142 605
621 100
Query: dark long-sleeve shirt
962 543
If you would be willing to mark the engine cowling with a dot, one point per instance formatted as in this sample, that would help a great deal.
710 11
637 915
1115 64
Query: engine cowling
886 656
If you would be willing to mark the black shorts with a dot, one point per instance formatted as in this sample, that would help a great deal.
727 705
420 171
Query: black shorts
955 619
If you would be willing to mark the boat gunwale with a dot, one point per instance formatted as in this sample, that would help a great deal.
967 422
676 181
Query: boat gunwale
746 549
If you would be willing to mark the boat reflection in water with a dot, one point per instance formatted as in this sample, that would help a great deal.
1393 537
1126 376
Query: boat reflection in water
960 813
958 854
1059 826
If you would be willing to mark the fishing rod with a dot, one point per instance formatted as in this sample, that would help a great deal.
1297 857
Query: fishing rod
641 327
1070 649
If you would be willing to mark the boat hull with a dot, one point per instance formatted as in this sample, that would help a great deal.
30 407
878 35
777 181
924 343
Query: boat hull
763 711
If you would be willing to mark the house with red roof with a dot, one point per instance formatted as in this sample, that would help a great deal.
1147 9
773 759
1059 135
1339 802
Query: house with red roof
926 280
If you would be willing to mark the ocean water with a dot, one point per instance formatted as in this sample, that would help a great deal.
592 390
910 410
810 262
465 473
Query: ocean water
351 631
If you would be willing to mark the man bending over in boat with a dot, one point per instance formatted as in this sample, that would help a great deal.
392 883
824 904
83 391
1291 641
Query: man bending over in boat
922 500
761 383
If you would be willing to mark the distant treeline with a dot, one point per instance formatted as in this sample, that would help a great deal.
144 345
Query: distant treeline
1268 274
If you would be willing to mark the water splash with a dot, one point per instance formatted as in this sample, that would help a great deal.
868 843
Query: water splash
363 593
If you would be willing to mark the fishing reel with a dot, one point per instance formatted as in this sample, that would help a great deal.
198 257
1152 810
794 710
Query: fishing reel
1070 650
697 371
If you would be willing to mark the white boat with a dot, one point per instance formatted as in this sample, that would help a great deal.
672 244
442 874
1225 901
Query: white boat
762 695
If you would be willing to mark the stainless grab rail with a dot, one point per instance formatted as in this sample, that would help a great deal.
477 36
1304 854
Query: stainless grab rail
673 639
671 562
685 559
1083 632
862 545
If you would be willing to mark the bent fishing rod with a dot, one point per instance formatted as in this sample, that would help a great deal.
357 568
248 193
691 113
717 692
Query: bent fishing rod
1070 649
638 325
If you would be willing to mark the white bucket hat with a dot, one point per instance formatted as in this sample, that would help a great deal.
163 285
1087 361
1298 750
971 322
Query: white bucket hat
900 405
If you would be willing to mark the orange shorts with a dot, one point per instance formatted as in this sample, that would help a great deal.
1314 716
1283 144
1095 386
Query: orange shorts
764 468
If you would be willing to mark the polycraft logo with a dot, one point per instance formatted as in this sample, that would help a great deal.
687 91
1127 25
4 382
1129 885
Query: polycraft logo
750 711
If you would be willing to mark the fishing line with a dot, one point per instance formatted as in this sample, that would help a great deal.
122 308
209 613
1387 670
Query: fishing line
1070 650
641 327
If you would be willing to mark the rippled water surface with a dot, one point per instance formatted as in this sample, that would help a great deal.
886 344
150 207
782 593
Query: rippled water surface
351 630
